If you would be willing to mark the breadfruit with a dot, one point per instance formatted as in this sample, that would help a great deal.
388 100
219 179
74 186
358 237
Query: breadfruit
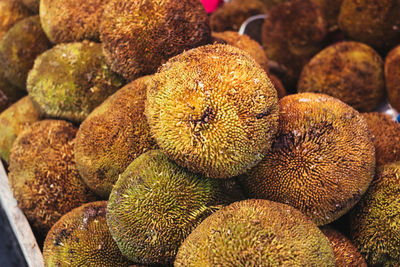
11 12
112 136
349 71
321 161
256 233
213 110
139 36
70 80
155 204
392 77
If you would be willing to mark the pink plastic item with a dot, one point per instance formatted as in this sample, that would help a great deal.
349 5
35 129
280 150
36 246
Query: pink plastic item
211 5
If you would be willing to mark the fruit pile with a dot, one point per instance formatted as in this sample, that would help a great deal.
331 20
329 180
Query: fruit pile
148 133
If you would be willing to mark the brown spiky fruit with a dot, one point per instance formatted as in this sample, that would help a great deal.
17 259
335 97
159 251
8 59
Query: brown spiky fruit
213 110
43 174
245 43
11 12
139 36
349 71
386 136
375 221
71 21
322 159
256 233
392 77
113 135
81 238
292 33
346 254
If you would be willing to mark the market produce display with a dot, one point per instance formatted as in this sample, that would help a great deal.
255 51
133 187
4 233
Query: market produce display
155 133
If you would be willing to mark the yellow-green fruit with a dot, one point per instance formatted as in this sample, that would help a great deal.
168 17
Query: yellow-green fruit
43 174
375 221
231 15
112 136
331 9
373 22
72 20
8 92
349 71
292 33
70 80
11 12
213 110
19 49
256 233
245 43
346 254
81 238
321 161
155 204
392 77
12 121
386 137
139 36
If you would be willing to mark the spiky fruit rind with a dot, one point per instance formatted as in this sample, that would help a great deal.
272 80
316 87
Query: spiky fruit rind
373 22
375 221
256 233
392 77
71 21
155 204
81 238
292 33
213 110
19 49
349 71
321 161
70 80
13 120
112 136
43 175
346 254
138 36
11 12
245 43
386 137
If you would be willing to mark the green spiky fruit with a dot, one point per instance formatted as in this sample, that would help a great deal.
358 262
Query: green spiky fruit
139 36
70 80
112 136
43 174
321 161
256 233
19 49
155 204
81 238
349 71
213 110
375 221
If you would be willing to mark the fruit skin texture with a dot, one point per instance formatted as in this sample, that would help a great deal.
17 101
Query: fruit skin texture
155 204
292 33
346 254
70 80
392 77
245 43
386 133
321 161
13 120
71 21
349 71
19 49
43 175
81 238
256 233
213 110
11 12
139 36
112 136
373 22
375 221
